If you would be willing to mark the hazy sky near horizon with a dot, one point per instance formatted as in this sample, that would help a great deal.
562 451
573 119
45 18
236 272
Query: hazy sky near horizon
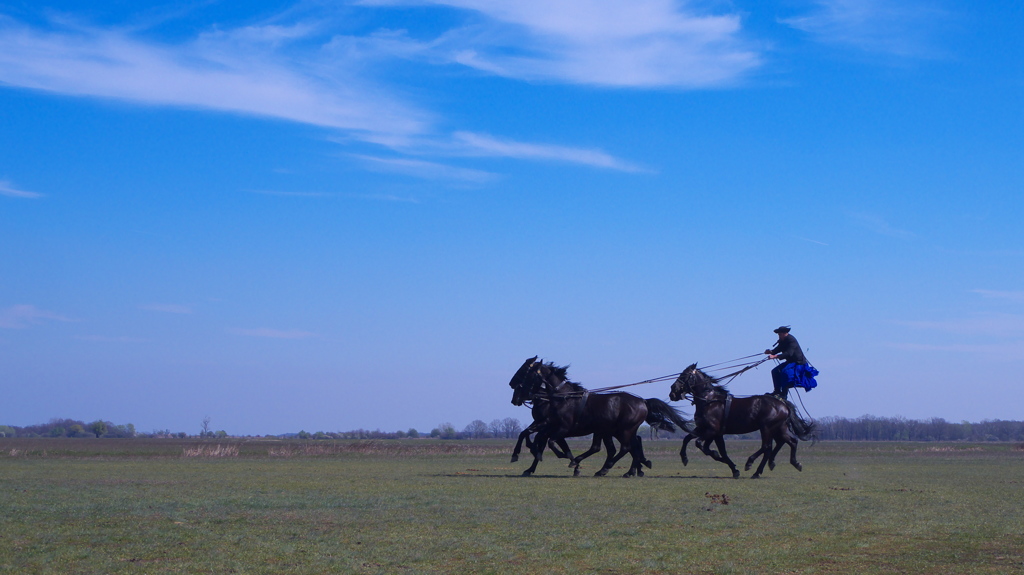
366 214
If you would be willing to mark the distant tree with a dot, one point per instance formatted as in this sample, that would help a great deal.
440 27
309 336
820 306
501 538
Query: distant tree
98 427
412 433
77 430
494 427
436 432
221 434
205 430
57 432
447 431
510 427
476 429
7 431
304 434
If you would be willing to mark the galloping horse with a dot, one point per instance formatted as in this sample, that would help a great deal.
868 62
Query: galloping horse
566 409
719 413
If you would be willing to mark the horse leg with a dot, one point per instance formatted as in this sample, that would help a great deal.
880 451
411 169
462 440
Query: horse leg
766 447
540 442
613 457
525 435
627 444
595 446
792 453
638 457
778 447
682 451
640 452
720 442
609 446
560 448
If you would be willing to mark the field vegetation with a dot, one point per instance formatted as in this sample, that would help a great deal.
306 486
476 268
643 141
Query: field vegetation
433 506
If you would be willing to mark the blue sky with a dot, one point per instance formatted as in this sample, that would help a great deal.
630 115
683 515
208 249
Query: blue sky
333 215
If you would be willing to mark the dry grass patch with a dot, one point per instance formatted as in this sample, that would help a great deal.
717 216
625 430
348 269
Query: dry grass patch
218 450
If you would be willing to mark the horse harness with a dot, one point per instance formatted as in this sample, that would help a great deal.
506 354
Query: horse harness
727 401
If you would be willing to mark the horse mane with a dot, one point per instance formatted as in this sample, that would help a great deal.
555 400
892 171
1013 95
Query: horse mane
717 387
562 373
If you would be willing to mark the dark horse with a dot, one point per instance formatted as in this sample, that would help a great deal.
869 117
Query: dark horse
563 409
718 413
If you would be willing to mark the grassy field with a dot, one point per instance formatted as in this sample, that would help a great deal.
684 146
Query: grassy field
423 506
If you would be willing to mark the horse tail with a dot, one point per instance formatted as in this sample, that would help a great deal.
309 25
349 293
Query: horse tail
805 430
662 416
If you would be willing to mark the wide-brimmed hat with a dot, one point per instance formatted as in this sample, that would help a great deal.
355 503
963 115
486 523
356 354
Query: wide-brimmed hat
782 329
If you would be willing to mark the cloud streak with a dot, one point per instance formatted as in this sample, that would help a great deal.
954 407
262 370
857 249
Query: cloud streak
880 226
240 73
1011 296
638 44
25 315
272 333
879 26
998 325
7 189
167 308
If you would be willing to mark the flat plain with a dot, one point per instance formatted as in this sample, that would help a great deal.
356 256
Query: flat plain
431 506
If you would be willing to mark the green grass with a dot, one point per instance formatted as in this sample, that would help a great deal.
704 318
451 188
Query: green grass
419 506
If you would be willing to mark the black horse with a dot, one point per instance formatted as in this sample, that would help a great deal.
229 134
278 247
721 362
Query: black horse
718 413
566 409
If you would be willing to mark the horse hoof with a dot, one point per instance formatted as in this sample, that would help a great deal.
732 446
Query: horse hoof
748 466
647 462
755 476
576 472
685 461
771 465
601 473
799 467
736 474
515 458
527 473
639 472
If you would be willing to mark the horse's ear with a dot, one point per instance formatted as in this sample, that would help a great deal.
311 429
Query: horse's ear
532 359
692 366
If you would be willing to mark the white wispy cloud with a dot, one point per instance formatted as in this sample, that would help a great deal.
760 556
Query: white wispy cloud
273 333
240 72
879 225
111 339
989 324
426 169
8 189
485 145
24 315
167 308
881 26
307 72
1012 296
636 43
1006 351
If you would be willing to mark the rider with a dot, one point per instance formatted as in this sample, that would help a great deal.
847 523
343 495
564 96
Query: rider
788 350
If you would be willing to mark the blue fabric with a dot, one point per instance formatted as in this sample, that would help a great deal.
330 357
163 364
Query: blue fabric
800 375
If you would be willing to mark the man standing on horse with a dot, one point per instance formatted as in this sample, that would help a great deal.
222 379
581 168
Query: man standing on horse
788 350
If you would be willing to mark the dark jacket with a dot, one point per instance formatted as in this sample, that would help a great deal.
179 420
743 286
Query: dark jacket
789 350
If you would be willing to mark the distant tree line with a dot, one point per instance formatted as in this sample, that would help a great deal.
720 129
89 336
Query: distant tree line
71 428
864 428
871 428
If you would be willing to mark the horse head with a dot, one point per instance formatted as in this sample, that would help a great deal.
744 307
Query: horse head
688 383
525 381
536 377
